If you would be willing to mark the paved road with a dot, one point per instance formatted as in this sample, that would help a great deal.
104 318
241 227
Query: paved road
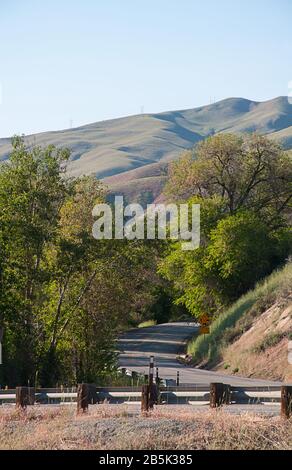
165 342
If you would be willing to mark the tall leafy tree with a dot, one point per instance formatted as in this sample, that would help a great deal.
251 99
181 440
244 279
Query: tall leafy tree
248 171
243 184
32 192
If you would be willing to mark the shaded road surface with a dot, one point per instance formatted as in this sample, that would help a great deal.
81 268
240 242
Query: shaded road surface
165 342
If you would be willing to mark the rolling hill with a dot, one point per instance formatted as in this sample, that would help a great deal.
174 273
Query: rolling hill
131 154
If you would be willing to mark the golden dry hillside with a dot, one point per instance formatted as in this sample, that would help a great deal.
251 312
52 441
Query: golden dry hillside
262 351
251 338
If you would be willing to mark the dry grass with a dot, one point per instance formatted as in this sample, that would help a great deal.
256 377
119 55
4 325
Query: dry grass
262 351
108 427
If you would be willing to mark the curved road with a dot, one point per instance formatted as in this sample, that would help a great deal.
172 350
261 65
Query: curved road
165 342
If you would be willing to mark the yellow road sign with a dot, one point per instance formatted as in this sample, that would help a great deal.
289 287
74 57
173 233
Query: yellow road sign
204 319
204 330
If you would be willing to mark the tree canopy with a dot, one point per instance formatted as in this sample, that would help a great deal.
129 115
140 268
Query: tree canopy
64 296
243 184
248 171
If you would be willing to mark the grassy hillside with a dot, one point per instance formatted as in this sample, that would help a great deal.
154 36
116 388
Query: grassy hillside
119 146
142 185
251 337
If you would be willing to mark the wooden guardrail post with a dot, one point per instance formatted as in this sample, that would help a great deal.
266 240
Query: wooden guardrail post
92 394
24 396
150 389
82 397
219 394
286 401
145 398
153 395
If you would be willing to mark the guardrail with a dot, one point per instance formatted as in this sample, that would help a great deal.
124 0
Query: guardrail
214 395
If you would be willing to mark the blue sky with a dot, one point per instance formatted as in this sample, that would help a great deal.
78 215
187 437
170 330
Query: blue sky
65 63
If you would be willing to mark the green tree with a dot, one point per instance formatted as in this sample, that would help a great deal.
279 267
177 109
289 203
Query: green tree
64 295
243 184
248 171
32 191
240 250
